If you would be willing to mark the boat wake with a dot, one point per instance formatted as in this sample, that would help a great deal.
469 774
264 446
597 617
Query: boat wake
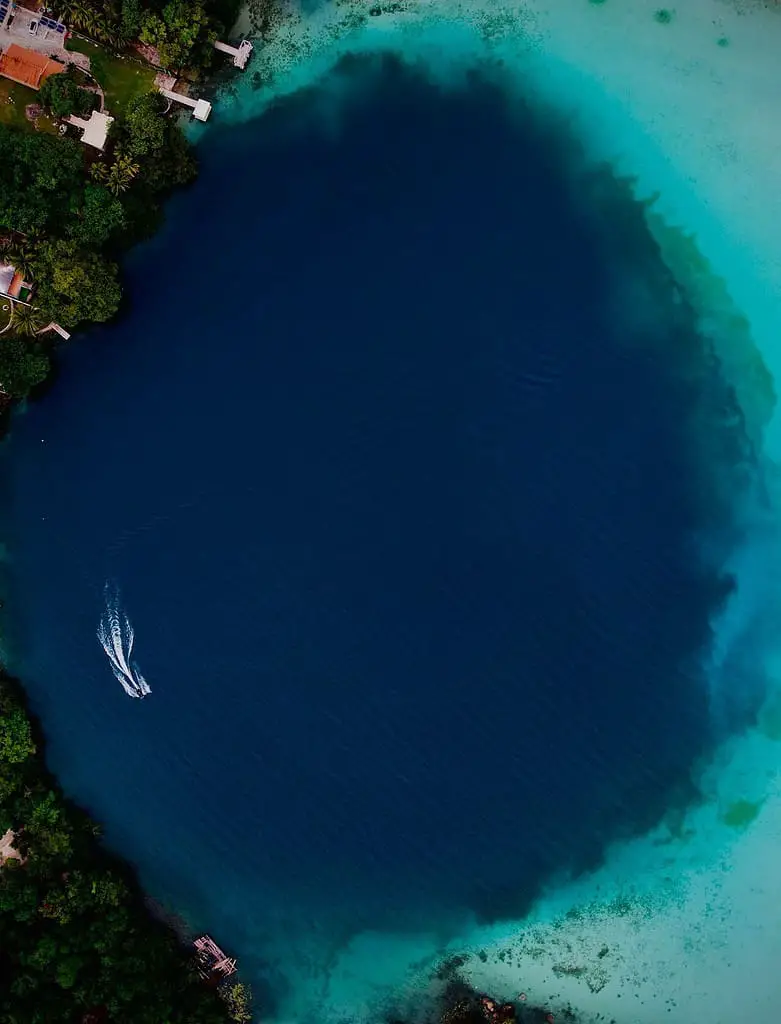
116 637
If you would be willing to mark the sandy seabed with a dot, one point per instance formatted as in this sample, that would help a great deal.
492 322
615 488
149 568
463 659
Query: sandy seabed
686 923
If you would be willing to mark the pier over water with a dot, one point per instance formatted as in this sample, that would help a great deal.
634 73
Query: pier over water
212 961
241 53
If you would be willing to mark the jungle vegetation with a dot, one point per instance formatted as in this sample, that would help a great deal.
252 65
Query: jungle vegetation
66 215
76 941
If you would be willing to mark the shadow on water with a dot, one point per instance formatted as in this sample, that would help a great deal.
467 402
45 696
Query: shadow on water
425 450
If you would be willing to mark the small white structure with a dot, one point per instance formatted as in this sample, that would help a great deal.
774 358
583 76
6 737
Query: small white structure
95 131
56 328
200 108
241 53
7 851
7 273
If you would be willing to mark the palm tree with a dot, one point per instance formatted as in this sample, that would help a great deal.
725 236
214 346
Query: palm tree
112 28
101 28
26 319
64 8
115 38
125 161
22 257
119 180
81 15
73 12
91 22
121 175
99 171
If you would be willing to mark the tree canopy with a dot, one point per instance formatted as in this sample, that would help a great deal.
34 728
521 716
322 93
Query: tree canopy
145 128
22 366
75 285
76 940
164 156
180 30
181 33
16 742
65 217
75 937
100 217
64 96
43 178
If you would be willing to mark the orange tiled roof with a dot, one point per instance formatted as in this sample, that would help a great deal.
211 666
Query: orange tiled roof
27 67
15 287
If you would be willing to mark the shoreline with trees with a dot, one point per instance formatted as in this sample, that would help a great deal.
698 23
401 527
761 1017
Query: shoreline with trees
66 217
77 939
69 212
78 942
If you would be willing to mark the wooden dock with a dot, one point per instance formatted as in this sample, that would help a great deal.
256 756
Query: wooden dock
212 962
200 108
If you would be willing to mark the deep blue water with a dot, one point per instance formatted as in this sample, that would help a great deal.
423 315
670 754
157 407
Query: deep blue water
405 516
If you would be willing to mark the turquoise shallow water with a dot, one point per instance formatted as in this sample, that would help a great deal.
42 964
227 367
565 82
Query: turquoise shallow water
421 529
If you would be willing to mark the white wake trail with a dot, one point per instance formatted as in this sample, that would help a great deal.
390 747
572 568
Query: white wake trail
116 636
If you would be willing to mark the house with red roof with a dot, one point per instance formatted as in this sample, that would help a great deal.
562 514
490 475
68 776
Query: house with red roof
28 67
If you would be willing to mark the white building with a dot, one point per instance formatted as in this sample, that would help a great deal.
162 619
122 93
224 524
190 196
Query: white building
7 274
95 131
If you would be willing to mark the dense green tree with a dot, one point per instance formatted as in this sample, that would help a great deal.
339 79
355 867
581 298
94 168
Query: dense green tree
181 32
19 896
74 936
63 95
131 19
11 779
22 366
16 742
239 1000
42 178
101 217
145 125
74 285
158 144
171 166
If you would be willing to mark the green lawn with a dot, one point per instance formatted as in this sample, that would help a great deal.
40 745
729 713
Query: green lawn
5 314
13 113
120 79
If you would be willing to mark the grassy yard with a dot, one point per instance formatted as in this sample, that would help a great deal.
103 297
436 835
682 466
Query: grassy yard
12 113
5 314
121 79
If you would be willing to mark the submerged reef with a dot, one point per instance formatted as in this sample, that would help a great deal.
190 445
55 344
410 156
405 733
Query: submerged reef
459 1003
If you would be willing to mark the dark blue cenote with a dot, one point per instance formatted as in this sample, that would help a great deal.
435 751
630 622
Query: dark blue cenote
405 506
